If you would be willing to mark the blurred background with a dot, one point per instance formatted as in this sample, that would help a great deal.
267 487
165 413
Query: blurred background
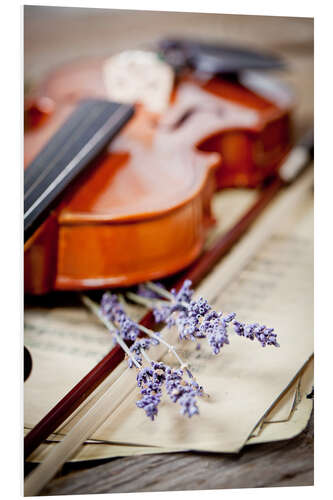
54 35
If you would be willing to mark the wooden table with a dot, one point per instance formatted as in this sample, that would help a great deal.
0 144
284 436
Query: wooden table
283 463
55 35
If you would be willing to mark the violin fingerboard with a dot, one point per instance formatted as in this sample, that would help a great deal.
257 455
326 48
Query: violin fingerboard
87 131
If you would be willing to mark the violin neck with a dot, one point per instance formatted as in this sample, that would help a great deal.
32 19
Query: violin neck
88 130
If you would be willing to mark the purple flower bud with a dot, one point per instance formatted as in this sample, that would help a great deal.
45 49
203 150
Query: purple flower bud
109 306
149 402
229 317
253 331
194 319
112 309
143 376
188 405
185 293
183 392
137 358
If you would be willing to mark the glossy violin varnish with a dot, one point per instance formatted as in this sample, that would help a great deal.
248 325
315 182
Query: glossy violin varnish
130 223
89 128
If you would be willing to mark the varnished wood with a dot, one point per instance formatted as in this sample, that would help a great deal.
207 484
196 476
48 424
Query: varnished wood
143 211
78 141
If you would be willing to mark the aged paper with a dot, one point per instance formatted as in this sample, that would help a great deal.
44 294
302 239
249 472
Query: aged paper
299 418
282 411
272 432
282 252
65 344
71 338
277 284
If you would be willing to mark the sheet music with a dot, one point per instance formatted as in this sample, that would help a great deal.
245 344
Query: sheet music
245 380
65 344
297 421
269 289
70 337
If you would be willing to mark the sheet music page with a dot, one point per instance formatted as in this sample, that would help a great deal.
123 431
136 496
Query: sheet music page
300 415
272 431
65 343
276 288
259 293
68 336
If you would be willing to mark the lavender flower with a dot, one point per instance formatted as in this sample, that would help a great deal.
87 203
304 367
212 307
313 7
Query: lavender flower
150 380
162 313
183 392
149 402
113 311
139 345
194 319
253 331
135 357
188 404
109 306
173 381
189 319
178 303
144 375
137 348
184 295
159 370
215 326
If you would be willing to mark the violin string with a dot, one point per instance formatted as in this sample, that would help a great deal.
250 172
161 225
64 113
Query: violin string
52 187
57 149
42 166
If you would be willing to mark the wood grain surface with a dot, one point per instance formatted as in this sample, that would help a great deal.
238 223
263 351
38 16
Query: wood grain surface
283 463
55 35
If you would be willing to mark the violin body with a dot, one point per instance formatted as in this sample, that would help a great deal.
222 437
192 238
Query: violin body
142 210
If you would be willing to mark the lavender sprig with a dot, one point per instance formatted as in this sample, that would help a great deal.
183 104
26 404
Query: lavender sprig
195 319
151 378
114 312
136 349
264 335
110 326
183 392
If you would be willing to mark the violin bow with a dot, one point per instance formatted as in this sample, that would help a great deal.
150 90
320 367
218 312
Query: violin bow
291 169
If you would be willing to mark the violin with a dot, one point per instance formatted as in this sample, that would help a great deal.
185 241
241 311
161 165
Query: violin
141 210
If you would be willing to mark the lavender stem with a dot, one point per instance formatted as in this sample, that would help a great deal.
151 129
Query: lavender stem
160 339
143 300
96 310
159 290
145 355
